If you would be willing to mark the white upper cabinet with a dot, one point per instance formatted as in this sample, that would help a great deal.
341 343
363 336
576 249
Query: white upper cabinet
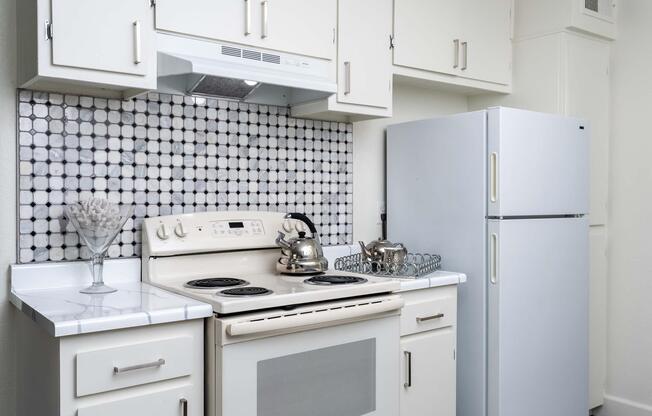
226 20
86 44
364 72
487 49
107 36
305 27
428 34
364 64
466 41
536 17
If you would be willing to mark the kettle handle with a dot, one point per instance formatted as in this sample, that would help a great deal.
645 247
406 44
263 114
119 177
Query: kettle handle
305 219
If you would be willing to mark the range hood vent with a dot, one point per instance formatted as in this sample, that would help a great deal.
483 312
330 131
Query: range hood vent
195 66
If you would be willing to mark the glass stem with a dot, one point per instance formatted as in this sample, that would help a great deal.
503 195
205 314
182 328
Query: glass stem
97 261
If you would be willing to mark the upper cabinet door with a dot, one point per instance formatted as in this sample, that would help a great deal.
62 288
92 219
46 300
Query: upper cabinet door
486 50
115 36
428 35
226 20
364 58
304 27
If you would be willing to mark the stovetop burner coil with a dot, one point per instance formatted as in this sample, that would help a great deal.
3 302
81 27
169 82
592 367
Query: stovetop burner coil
246 291
214 282
327 279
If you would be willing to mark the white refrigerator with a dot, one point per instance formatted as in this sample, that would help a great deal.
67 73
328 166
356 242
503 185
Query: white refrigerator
503 195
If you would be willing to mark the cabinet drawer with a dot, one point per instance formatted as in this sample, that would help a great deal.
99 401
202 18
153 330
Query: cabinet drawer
425 315
131 365
173 402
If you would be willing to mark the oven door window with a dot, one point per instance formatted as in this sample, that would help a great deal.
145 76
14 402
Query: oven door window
337 380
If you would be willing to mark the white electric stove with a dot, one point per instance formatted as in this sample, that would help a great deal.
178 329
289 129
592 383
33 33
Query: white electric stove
331 338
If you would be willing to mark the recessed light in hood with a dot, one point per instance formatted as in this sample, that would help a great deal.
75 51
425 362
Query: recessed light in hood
197 66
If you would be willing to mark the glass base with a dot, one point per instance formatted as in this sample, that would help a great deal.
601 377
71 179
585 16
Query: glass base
98 289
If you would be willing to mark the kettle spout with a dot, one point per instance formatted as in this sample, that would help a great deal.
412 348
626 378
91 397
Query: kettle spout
280 241
365 251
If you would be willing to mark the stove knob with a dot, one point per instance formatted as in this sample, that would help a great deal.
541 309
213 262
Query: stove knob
300 226
162 232
180 230
287 226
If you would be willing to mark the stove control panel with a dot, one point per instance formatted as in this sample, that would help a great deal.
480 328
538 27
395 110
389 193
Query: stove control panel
206 232
243 228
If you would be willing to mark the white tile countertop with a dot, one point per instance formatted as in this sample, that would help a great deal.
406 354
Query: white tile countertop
435 279
49 294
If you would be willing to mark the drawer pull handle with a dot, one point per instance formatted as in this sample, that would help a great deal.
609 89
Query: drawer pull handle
430 318
157 363
184 407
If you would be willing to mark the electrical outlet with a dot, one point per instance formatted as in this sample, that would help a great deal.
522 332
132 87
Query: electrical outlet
380 211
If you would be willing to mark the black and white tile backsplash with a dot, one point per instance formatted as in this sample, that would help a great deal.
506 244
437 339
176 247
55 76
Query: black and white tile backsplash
171 154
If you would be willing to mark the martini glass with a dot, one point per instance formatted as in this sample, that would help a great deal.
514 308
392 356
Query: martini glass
98 222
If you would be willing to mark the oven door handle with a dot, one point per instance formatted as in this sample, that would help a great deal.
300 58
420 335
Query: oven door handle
321 316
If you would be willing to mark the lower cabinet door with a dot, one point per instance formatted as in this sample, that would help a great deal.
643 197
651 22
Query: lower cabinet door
428 381
171 402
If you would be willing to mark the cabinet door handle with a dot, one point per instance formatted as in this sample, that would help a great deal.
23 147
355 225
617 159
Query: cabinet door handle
265 6
494 259
429 318
493 186
184 407
347 77
157 363
408 369
465 47
456 62
247 6
137 45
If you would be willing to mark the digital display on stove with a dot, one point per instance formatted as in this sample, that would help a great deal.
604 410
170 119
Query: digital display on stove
237 224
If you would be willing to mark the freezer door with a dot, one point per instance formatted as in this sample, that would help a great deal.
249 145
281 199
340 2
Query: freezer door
538 164
538 317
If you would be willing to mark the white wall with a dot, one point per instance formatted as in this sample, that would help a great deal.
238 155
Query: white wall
7 200
410 103
629 374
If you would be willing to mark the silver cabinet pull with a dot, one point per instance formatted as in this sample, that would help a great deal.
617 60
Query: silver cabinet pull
465 47
184 407
456 62
157 363
493 186
265 6
347 77
408 369
429 318
494 259
137 46
247 5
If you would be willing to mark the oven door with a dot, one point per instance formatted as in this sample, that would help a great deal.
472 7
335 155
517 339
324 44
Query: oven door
331 369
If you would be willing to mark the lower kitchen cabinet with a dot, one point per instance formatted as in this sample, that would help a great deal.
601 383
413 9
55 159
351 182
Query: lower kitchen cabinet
149 370
428 343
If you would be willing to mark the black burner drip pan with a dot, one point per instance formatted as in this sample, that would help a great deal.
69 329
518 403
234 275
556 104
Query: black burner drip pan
215 282
246 291
327 279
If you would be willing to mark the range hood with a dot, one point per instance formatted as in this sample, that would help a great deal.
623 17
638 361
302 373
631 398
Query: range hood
200 67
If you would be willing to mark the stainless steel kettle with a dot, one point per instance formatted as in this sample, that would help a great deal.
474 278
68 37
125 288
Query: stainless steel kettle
384 252
302 254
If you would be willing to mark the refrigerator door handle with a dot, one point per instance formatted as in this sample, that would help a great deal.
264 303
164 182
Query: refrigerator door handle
493 272
493 186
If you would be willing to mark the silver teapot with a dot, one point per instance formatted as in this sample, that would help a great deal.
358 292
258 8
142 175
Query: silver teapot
302 254
384 252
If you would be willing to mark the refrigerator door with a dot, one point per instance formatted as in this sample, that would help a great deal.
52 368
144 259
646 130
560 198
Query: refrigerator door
538 317
537 164
436 202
